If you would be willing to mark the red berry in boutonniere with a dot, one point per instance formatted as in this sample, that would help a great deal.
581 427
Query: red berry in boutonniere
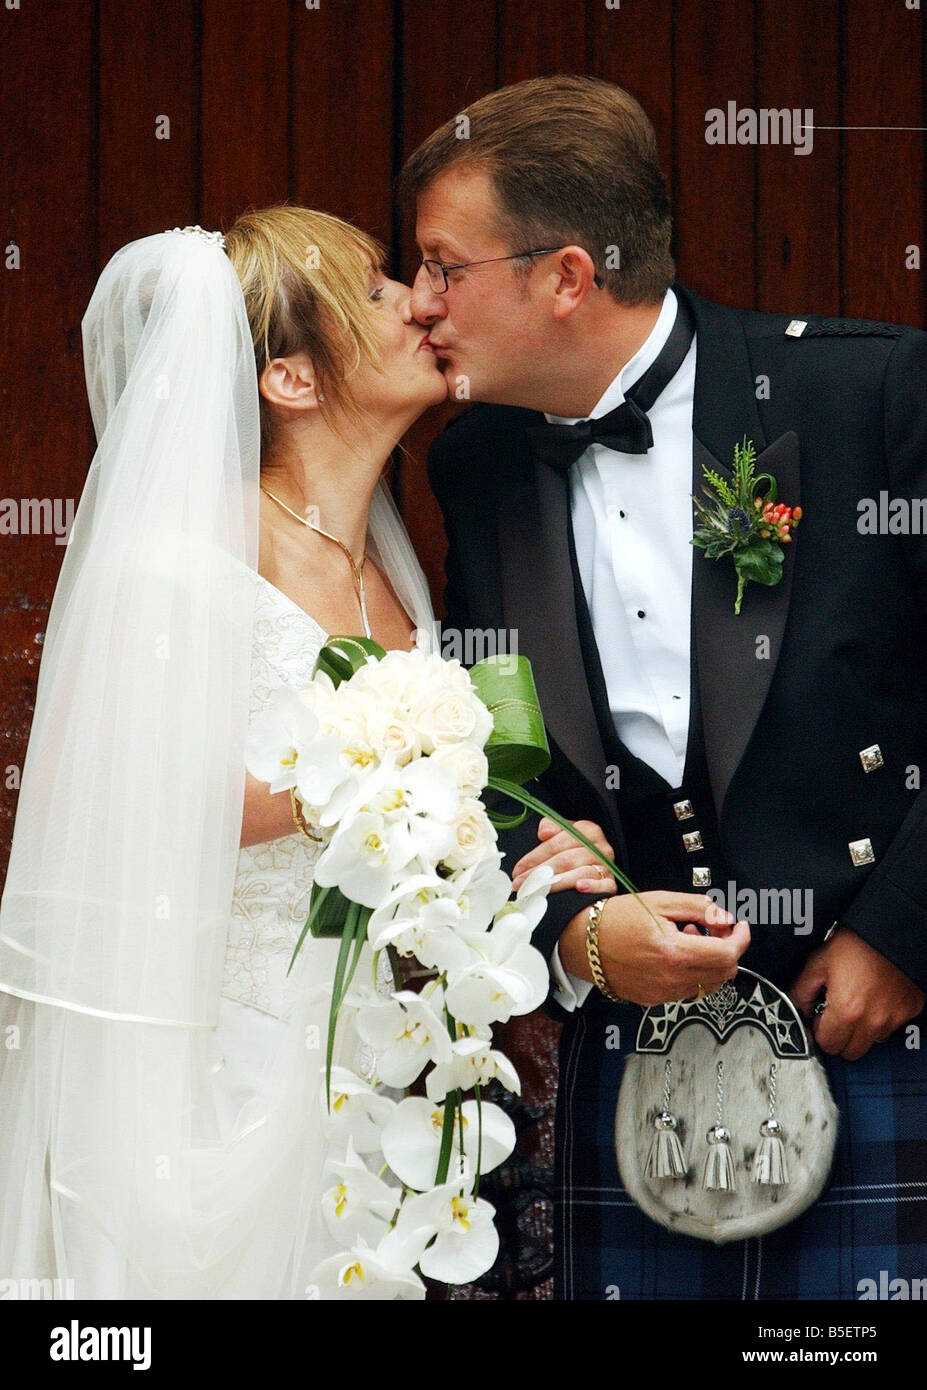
753 535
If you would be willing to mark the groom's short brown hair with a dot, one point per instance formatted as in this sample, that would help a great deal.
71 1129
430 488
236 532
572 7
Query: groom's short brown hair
571 159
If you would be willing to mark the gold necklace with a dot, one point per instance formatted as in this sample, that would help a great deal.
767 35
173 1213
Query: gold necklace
356 570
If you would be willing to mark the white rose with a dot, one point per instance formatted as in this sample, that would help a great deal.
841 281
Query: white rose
449 672
397 678
468 763
391 730
451 716
474 835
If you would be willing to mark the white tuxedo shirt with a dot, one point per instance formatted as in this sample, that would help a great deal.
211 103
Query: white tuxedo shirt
632 526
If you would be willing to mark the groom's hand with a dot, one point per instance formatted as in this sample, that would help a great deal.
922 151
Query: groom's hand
644 955
867 996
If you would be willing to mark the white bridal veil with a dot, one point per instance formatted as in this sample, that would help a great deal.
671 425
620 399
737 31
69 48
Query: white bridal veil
114 915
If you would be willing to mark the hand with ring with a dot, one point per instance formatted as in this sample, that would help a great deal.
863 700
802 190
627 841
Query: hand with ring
573 864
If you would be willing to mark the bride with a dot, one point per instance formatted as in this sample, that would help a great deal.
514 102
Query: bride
163 1133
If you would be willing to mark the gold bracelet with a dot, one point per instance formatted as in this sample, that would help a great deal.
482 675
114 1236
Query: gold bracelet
300 819
592 952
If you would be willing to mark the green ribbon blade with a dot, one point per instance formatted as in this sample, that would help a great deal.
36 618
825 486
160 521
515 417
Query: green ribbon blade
342 656
347 938
517 749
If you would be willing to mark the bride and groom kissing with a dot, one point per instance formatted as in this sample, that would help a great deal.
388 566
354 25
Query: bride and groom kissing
698 746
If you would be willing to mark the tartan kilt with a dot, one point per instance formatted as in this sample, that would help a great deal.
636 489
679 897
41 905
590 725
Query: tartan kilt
870 1223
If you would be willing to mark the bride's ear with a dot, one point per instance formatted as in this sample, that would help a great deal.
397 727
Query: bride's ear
291 382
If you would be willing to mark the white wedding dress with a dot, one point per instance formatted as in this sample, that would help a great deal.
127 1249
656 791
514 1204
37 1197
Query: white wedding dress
266 1018
251 1166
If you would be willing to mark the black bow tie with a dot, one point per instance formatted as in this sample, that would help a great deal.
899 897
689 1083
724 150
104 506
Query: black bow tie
627 427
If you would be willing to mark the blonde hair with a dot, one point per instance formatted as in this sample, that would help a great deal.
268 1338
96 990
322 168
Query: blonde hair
304 276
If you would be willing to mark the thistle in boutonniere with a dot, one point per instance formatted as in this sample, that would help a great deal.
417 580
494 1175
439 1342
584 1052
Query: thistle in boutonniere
734 521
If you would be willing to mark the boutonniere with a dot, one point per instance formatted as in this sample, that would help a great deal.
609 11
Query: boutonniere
734 521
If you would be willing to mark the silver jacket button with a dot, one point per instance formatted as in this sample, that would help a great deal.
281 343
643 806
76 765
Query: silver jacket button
871 758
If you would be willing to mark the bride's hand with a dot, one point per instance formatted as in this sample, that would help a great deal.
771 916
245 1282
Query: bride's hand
576 866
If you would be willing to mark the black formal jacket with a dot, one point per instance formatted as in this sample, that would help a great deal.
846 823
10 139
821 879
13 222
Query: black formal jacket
844 405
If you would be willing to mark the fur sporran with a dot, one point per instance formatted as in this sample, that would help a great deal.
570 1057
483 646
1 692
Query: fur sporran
725 1126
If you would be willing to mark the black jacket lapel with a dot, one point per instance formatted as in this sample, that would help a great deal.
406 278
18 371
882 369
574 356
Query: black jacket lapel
538 602
734 672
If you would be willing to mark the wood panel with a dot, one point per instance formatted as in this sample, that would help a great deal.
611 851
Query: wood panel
882 171
798 195
633 46
148 71
245 103
714 185
343 73
48 214
537 37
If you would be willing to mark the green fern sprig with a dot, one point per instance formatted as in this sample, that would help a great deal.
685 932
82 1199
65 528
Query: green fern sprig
721 486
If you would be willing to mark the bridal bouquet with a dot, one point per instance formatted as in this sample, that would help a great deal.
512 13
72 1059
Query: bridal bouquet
389 755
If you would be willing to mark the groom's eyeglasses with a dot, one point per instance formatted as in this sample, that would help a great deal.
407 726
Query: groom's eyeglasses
437 270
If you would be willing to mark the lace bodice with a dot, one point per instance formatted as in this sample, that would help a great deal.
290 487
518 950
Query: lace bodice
274 879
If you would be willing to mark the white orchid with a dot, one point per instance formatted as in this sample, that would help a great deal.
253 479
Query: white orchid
384 1272
287 748
426 914
466 1242
474 1062
361 1205
405 920
362 860
406 1032
357 1112
411 1138
507 977
430 802
531 898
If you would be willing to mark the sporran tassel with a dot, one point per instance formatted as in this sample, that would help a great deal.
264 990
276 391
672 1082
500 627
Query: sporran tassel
719 1164
666 1158
769 1165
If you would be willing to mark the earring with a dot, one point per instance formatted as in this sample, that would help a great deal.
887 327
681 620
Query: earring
769 1166
666 1159
719 1163
320 397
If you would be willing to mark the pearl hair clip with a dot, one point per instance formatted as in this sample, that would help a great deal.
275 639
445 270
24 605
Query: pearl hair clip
197 230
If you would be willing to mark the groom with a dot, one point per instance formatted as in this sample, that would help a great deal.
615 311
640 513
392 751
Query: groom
774 756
